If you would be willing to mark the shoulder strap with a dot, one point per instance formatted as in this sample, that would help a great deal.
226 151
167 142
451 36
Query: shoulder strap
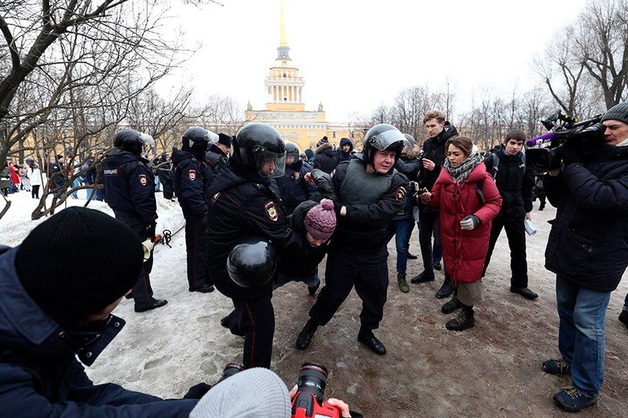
478 188
495 167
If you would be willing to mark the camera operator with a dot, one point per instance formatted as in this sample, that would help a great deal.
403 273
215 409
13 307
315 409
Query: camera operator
53 314
588 251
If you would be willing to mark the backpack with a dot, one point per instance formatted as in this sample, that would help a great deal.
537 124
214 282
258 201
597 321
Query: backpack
495 168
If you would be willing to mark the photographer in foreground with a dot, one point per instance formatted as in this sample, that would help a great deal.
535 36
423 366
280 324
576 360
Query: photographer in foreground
588 251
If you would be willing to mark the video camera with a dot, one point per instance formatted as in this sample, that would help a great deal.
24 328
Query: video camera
584 138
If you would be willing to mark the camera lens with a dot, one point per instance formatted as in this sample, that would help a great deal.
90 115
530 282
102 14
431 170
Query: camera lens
312 379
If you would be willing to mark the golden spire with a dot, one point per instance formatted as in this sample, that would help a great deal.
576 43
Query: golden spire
282 30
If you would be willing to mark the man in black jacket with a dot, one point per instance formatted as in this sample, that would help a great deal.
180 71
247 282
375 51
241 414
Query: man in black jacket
244 202
130 192
369 193
192 179
588 250
439 131
515 183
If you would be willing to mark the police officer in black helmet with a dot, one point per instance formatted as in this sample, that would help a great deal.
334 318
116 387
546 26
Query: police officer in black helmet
243 201
192 177
130 192
369 193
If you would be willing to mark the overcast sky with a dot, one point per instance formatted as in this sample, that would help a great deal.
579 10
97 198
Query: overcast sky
358 54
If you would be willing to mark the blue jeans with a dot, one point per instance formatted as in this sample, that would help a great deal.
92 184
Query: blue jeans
581 334
402 229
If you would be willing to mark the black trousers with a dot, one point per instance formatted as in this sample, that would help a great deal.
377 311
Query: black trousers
256 320
195 249
515 232
142 290
346 269
428 221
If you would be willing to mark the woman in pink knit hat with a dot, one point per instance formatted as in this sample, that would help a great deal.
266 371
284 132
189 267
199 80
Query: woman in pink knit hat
317 222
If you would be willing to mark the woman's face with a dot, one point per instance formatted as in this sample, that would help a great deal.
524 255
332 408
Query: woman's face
455 155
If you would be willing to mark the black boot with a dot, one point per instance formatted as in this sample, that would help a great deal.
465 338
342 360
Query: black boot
366 337
451 305
403 284
464 320
447 289
426 276
305 336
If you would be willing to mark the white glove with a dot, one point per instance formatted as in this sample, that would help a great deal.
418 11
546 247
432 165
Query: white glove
469 222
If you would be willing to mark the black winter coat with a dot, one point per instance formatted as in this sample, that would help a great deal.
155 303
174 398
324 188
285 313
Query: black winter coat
293 188
514 182
588 243
434 150
241 206
130 186
192 177
325 159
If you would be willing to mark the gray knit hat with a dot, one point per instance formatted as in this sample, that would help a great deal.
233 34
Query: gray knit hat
618 112
253 393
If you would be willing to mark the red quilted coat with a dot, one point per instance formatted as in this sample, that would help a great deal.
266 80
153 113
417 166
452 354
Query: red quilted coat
464 251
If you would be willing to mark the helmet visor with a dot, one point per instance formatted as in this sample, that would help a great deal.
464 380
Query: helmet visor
385 139
271 165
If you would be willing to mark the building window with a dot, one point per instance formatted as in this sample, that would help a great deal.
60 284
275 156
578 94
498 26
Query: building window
333 134
352 134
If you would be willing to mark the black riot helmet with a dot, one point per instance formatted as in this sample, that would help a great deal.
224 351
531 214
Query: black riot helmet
382 137
197 139
292 153
132 141
260 149
252 262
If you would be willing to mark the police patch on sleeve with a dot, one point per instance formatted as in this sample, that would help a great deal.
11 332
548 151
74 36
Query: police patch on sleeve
192 175
271 211
401 193
143 179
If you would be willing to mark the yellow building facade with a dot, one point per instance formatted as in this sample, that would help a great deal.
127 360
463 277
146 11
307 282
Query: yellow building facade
285 108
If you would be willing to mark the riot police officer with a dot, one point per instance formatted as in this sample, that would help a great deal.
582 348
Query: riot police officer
369 193
130 192
243 202
192 176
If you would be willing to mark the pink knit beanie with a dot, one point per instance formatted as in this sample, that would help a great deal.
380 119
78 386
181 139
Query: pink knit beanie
320 221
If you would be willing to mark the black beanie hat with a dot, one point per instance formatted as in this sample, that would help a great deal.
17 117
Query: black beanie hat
224 139
618 112
78 262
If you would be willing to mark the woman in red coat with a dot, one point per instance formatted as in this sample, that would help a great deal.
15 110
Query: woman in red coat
468 201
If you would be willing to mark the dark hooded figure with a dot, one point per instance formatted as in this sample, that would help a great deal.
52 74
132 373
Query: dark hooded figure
325 158
343 153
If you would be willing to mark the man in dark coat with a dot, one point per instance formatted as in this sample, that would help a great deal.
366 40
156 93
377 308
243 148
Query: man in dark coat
515 182
324 156
343 153
191 181
50 319
588 250
293 187
219 151
130 192
439 131
244 202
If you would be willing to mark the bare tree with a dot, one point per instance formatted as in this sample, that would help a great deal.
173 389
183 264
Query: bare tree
602 47
73 69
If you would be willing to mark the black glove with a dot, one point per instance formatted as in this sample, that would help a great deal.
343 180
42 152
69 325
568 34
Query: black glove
150 230
324 183
469 222
197 391
337 207
568 155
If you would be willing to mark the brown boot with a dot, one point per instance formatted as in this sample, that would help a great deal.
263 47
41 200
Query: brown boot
403 284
